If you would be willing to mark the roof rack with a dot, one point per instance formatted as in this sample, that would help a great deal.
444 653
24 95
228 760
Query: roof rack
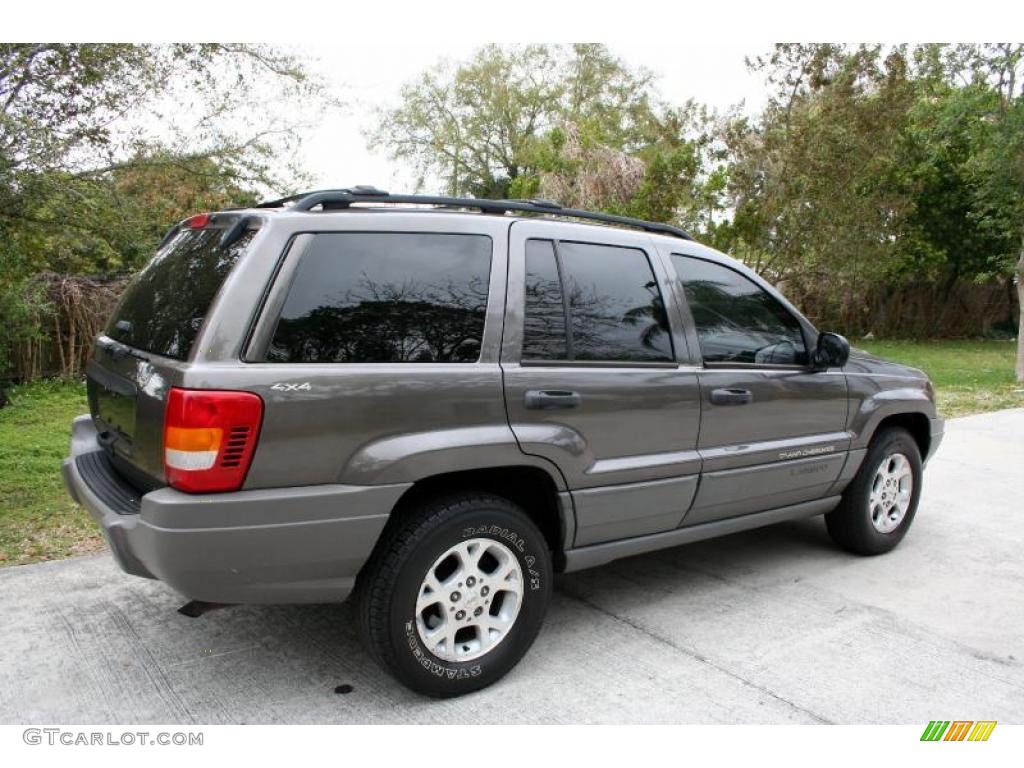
340 199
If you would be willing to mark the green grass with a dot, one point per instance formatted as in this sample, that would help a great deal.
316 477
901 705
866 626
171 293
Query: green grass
969 376
38 521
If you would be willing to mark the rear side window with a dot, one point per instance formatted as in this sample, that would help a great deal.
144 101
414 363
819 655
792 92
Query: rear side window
163 309
737 320
592 302
361 297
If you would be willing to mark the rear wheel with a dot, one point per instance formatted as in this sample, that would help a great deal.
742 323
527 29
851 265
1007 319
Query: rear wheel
880 503
455 595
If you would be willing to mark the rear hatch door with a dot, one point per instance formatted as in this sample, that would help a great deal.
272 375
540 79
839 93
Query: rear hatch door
149 340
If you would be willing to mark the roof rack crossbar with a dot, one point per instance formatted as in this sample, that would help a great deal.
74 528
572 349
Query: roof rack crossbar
334 199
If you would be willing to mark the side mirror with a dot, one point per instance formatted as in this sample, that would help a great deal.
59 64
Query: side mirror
832 351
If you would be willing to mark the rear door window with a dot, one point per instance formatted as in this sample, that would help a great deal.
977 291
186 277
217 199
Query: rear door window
163 308
544 334
362 297
592 302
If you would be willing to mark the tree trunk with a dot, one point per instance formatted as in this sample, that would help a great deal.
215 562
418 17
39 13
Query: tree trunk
1020 315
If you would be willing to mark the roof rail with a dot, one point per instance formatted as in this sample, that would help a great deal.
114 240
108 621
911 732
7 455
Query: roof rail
335 199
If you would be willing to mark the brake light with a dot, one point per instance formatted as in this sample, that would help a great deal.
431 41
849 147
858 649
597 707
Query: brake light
209 438
198 221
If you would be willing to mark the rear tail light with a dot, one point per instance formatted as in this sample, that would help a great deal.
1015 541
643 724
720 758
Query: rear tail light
209 438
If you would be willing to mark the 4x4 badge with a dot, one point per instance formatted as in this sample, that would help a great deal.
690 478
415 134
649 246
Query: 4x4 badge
303 387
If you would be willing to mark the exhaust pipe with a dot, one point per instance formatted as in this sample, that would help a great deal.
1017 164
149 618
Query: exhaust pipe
196 608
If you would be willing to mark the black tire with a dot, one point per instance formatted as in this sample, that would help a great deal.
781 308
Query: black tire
392 581
850 524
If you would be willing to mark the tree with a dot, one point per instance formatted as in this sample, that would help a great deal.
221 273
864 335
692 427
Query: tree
76 121
874 168
97 158
810 179
571 124
997 164
477 125
660 175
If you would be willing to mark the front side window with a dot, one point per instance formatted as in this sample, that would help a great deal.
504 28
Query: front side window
386 298
594 303
738 321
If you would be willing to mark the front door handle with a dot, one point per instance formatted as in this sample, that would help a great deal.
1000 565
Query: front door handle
731 396
551 399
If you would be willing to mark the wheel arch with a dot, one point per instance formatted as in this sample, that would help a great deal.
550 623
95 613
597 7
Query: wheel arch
907 405
536 490
916 423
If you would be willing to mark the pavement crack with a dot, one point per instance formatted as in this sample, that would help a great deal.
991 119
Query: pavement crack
927 634
162 686
694 655
206 656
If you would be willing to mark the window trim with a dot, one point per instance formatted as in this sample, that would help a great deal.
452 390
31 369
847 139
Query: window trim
599 364
264 319
571 362
269 313
566 304
720 365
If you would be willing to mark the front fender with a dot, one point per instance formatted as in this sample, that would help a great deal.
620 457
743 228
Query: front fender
876 406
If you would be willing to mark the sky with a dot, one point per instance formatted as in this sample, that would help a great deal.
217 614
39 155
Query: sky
335 152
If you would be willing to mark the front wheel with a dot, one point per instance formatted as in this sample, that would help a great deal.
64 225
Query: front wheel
456 593
880 503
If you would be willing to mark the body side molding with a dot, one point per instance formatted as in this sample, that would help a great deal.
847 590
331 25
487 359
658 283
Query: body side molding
599 554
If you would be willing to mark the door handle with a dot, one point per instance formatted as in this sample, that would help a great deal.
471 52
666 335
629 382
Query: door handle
731 396
551 399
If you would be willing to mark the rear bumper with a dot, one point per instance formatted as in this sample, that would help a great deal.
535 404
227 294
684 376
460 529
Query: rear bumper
281 545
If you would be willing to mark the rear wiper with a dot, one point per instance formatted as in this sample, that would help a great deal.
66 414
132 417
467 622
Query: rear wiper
119 351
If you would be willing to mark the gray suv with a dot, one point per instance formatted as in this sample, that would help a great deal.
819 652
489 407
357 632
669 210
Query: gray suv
437 404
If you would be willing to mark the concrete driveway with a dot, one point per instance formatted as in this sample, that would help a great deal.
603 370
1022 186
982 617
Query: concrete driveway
770 626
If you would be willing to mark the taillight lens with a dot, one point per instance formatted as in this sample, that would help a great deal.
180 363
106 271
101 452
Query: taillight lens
209 438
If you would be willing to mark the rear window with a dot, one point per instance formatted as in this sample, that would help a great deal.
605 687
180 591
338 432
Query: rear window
163 309
386 298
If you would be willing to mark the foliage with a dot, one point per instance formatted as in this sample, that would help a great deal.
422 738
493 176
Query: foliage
22 309
482 126
97 161
575 169
574 124
877 167
38 521
996 165
812 180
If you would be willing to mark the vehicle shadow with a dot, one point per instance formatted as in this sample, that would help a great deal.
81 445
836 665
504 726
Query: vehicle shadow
320 643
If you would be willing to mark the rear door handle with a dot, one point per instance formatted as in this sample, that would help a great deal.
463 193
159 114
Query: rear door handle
551 399
731 396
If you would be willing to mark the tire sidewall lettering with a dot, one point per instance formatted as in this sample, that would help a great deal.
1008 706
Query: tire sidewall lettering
429 662
514 540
